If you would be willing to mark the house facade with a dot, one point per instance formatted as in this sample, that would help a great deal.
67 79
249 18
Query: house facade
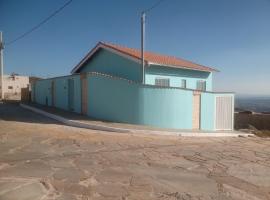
107 85
12 85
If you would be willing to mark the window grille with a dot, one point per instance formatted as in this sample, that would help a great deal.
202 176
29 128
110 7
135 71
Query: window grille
184 83
162 82
201 85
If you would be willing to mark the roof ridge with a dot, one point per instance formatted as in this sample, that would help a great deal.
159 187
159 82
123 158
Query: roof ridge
152 52
150 57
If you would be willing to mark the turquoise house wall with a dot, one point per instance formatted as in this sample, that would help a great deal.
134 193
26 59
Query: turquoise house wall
43 90
112 100
61 93
176 76
208 104
120 101
107 62
166 108
207 111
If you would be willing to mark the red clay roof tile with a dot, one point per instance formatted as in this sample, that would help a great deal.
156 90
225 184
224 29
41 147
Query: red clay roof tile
158 59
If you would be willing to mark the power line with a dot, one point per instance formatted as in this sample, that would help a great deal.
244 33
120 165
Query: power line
40 24
153 6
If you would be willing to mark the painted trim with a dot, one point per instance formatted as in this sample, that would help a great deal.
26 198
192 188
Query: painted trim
215 113
134 82
181 67
200 108
233 112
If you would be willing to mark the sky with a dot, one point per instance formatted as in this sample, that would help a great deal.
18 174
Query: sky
230 35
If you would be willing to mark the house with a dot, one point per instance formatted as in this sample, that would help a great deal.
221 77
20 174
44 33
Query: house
12 85
107 85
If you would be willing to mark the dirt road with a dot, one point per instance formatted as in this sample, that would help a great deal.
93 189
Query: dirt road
42 159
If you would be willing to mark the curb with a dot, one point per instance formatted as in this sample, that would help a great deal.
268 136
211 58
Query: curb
122 130
74 123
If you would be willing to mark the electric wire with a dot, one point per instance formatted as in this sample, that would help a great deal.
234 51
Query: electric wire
39 24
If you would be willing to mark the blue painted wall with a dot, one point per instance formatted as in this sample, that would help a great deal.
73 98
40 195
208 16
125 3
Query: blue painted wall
120 101
207 111
176 76
43 91
61 93
107 62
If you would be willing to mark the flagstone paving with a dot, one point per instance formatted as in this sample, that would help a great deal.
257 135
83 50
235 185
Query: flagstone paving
42 159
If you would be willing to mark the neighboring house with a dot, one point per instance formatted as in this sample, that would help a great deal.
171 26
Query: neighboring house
107 85
13 84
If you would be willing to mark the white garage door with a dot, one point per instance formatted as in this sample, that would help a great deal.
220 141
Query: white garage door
224 112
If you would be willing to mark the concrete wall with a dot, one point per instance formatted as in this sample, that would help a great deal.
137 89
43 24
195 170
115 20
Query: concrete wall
107 62
177 75
207 111
208 104
42 91
120 101
13 84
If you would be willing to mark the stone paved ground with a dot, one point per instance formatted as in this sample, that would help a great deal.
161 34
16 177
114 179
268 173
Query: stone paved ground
41 159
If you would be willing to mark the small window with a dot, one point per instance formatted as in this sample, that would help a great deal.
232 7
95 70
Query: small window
10 87
184 83
201 85
162 82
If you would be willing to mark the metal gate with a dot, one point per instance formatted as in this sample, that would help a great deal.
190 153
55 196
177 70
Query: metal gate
224 113
71 94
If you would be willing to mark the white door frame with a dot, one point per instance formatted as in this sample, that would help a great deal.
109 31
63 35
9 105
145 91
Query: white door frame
215 113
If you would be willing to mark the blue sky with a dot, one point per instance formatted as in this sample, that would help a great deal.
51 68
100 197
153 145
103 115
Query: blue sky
231 35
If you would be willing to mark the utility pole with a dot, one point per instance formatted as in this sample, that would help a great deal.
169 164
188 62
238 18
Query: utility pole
1 66
142 45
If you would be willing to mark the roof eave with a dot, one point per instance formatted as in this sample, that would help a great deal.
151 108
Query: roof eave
182 67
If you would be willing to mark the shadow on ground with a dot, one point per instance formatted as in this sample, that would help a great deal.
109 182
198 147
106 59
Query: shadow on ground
11 111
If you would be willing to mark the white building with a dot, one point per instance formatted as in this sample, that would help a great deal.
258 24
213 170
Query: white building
13 84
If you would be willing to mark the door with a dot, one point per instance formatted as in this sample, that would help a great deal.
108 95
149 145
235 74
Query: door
71 94
196 113
224 113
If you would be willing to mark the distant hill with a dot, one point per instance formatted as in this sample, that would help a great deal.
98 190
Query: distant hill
253 103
